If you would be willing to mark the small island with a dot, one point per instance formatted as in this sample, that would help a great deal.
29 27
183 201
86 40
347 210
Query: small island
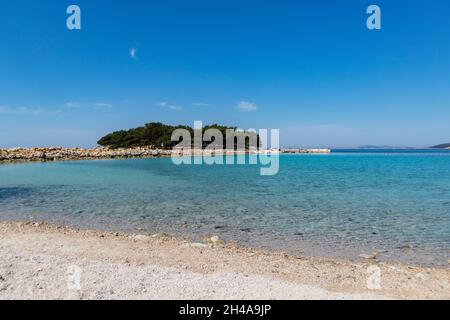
152 140
442 146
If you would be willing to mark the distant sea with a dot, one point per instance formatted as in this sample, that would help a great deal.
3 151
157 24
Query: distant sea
352 201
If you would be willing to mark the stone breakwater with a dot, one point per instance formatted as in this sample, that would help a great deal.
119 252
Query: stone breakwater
314 151
63 154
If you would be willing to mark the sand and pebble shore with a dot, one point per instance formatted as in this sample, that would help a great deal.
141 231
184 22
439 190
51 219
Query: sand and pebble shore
38 262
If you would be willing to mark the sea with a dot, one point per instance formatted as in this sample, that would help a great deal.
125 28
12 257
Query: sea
344 204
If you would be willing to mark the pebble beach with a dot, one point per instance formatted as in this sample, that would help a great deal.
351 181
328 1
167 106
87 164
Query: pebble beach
41 261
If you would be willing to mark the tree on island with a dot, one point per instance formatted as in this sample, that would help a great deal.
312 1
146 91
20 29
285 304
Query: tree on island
160 135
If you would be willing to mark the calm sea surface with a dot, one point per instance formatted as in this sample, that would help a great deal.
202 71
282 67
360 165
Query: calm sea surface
350 202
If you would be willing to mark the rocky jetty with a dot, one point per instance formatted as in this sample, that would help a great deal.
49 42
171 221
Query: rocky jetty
63 154
66 154
299 151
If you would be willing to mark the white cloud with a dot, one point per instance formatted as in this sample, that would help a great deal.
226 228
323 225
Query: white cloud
247 106
133 53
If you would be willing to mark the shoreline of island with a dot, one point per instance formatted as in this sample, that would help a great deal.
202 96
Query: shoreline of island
106 153
115 265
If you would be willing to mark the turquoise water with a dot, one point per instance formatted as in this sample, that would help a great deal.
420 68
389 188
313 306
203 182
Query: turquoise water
343 204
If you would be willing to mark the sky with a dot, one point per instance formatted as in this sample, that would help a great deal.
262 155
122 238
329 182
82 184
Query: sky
309 68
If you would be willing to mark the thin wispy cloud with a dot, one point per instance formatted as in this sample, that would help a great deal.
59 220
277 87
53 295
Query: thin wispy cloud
72 105
176 108
103 105
133 53
23 110
201 104
167 105
247 106
76 105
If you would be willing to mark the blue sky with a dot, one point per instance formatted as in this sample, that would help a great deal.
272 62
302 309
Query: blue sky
310 68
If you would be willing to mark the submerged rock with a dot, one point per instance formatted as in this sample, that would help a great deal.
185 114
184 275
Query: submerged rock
404 248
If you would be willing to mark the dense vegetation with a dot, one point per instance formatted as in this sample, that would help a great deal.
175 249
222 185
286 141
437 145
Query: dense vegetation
155 134
442 146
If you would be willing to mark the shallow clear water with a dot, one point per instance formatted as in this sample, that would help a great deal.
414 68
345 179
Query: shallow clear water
343 204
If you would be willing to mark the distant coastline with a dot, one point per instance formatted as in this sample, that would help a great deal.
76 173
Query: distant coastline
374 147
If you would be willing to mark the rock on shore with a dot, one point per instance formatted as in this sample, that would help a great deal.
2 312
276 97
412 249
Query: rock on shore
61 154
